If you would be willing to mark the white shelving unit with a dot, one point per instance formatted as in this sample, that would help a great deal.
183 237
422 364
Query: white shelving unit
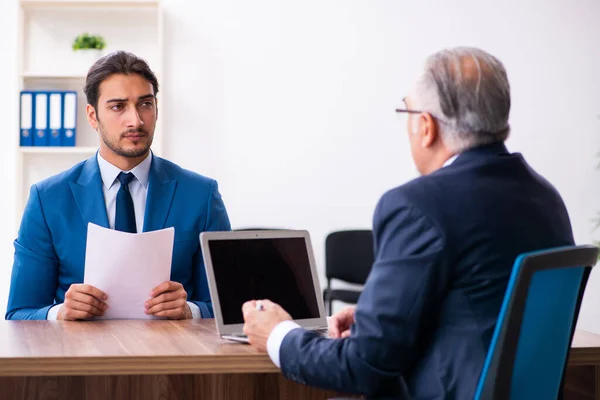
59 150
33 75
47 62
89 3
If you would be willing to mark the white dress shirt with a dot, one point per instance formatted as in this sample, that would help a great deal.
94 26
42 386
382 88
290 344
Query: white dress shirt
138 187
281 330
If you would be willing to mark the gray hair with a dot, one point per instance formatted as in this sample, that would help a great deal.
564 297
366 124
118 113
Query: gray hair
467 91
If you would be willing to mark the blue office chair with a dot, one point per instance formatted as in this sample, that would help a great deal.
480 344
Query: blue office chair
532 338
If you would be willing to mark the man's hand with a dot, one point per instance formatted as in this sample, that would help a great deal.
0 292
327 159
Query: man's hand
259 324
82 302
169 299
340 323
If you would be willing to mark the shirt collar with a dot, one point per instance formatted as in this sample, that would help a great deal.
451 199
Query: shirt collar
450 160
109 172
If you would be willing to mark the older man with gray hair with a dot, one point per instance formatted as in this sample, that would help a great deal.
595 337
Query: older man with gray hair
445 245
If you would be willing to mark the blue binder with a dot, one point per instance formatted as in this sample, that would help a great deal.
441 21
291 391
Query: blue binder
41 129
55 111
69 119
27 113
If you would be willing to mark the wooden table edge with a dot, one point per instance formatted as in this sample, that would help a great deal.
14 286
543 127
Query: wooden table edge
135 365
580 356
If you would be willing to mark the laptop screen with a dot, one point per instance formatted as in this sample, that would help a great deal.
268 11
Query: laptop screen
253 269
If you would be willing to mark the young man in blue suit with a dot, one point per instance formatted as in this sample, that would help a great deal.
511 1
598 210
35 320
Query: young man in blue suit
445 244
124 187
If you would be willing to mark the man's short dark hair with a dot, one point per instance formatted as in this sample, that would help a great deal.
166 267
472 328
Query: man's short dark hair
119 62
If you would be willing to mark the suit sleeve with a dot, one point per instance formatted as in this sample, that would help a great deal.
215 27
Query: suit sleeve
35 269
401 295
216 220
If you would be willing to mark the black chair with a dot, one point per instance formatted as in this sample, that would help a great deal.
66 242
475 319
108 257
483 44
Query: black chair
349 258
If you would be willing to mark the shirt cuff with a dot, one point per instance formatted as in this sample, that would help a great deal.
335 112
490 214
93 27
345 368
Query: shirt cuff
195 310
53 312
276 339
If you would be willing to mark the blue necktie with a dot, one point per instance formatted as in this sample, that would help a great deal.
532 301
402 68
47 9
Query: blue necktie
125 215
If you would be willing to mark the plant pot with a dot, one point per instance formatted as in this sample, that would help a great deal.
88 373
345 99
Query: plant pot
84 59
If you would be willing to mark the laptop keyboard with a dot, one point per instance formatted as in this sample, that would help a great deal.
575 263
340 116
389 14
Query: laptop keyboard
324 331
321 331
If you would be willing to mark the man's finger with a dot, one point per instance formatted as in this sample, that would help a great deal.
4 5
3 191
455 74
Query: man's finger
84 306
159 289
346 333
75 304
76 310
171 314
73 315
169 305
88 299
88 308
334 329
92 291
162 298
268 304
167 286
248 306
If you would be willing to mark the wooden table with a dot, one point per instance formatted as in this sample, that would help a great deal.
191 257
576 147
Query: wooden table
582 379
136 360
176 360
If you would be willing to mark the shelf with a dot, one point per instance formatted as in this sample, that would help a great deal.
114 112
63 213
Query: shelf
58 150
90 3
47 63
36 75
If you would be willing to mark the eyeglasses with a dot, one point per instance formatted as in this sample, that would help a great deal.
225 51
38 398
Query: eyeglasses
407 110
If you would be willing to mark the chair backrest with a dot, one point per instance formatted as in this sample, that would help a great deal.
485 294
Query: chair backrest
349 255
533 334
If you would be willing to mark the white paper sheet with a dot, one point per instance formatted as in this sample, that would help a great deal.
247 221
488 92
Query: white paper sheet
127 266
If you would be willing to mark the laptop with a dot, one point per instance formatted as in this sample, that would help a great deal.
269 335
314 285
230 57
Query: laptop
267 264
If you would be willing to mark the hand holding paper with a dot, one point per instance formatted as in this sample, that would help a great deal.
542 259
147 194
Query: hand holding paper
82 302
127 267
169 299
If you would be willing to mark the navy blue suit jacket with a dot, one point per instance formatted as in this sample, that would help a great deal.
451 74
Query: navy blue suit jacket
50 248
445 245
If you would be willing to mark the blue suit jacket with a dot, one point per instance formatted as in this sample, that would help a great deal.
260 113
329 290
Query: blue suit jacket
50 248
445 245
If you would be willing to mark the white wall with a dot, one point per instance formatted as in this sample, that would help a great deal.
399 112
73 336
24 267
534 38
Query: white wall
290 105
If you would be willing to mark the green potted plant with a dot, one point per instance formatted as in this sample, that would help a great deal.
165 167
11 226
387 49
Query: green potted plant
88 49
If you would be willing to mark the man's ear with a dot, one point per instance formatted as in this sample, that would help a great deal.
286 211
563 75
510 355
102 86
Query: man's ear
428 130
92 116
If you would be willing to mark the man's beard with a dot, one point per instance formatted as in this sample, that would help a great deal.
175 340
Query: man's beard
132 153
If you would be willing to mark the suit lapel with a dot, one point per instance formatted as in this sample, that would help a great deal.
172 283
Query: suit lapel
87 191
161 190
